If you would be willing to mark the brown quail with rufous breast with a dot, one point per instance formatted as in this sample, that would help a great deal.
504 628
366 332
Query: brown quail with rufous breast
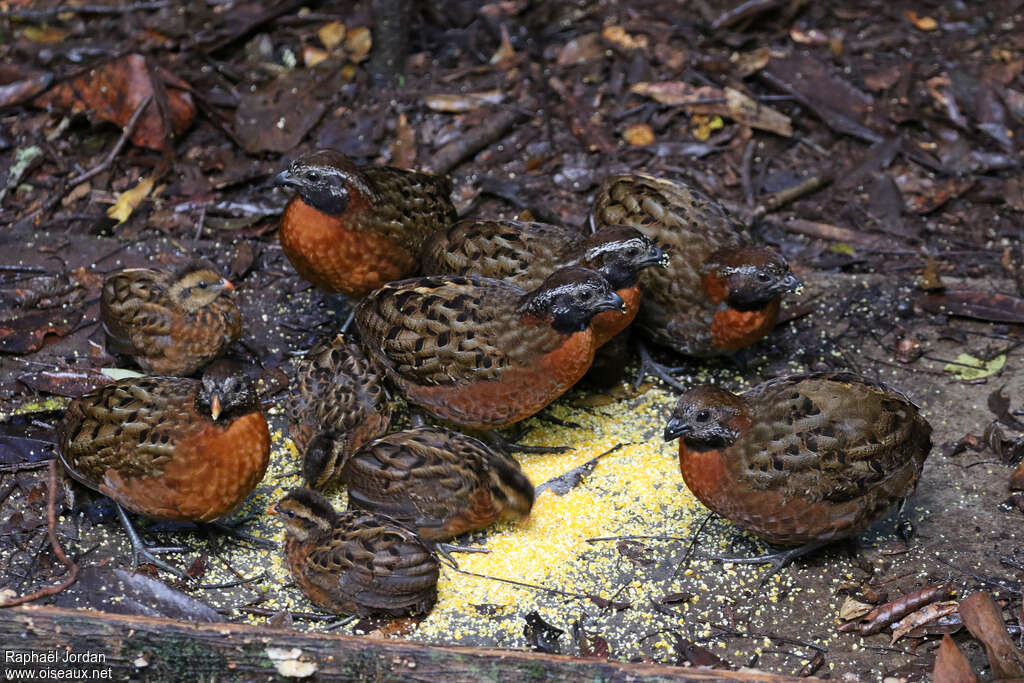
169 448
355 562
719 293
352 229
438 481
483 353
171 322
801 460
526 252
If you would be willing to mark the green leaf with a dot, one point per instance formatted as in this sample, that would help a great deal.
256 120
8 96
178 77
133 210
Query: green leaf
967 367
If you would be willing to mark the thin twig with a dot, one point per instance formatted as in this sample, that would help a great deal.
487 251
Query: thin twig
128 131
51 530
50 12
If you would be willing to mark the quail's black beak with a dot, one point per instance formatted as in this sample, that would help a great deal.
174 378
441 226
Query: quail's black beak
657 257
790 283
675 428
611 302
285 177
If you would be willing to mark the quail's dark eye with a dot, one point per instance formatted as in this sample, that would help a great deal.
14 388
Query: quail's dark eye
703 416
289 514
313 177
633 252
586 295
763 277
203 284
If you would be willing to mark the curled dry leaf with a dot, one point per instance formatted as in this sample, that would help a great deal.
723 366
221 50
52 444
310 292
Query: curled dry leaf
926 614
618 36
735 105
923 23
113 91
129 199
853 609
880 617
456 103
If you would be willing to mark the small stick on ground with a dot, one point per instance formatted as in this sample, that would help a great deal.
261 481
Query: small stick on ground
51 531
129 129
465 146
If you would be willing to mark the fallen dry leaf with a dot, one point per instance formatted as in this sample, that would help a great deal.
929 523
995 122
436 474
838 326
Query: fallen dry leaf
505 51
19 83
923 23
311 56
129 199
618 35
331 34
996 308
1017 478
921 617
358 43
985 622
456 103
278 115
853 609
736 105
581 49
749 63
950 664
44 34
639 134
28 332
112 92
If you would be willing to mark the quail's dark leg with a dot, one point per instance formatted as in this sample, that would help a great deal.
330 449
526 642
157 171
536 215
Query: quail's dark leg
140 549
230 528
650 367
446 549
498 441
779 559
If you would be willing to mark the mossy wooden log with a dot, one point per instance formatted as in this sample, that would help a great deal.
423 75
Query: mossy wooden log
145 648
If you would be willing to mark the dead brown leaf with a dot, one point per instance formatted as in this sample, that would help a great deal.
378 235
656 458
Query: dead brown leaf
358 43
28 332
993 307
736 105
461 102
21 83
618 36
277 116
581 49
950 664
113 91
638 134
884 78
331 34
749 63
925 615
985 622
923 23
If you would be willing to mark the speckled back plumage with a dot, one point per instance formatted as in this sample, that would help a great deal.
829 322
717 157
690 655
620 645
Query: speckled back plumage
440 482
442 330
836 436
676 311
364 564
409 206
143 320
337 388
521 252
143 442
821 457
